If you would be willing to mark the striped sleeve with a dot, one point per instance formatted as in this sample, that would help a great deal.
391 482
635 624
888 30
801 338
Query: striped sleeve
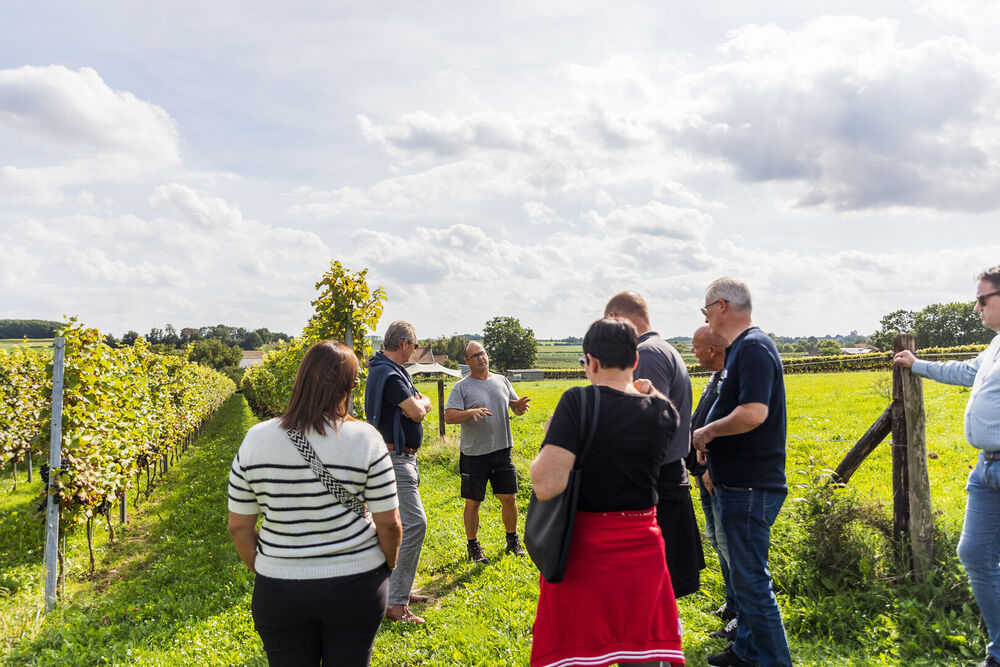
380 489
242 499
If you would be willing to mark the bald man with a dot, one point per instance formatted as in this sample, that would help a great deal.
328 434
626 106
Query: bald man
480 403
661 364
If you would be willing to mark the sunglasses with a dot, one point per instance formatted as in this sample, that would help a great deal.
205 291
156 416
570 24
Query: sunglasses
981 298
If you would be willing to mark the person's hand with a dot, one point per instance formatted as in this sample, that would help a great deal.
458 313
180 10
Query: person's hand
706 479
643 386
480 413
520 406
702 458
904 359
700 439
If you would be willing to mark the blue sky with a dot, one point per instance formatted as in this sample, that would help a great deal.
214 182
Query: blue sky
201 163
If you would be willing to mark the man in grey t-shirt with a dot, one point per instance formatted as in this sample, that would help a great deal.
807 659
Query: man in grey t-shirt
479 402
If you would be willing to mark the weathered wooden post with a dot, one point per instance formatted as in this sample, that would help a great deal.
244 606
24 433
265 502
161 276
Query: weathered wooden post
52 560
349 342
441 423
900 472
920 516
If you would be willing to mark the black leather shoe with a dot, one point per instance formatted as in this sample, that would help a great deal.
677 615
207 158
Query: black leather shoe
728 659
728 632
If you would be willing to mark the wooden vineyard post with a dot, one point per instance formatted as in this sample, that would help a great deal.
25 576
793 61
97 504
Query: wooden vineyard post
921 513
441 406
900 472
349 342
52 560
919 519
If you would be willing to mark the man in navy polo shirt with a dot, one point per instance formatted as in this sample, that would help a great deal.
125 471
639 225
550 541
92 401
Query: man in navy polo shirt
744 440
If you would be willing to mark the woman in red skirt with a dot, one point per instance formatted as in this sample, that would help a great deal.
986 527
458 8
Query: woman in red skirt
615 603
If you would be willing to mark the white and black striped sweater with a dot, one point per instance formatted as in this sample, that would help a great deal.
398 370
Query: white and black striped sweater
307 533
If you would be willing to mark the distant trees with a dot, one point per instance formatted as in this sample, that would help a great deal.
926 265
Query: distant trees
829 348
242 338
937 325
28 328
213 353
509 344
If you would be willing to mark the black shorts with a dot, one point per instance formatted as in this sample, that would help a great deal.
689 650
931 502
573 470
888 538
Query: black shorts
496 467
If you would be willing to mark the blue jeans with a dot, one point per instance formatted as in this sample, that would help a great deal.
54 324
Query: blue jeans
717 536
747 516
979 547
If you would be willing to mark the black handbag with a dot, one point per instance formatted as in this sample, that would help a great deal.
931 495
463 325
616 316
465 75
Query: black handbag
548 526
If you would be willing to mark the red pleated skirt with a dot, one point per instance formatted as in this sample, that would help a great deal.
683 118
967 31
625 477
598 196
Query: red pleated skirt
615 603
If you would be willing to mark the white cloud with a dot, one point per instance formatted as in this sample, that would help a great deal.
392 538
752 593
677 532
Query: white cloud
851 116
81 130
204 210
79 110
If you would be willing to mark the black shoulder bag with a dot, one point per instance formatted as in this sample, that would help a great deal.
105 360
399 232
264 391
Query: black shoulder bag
548 527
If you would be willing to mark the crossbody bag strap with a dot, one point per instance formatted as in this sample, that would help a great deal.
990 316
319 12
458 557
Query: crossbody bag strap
339 491
583 422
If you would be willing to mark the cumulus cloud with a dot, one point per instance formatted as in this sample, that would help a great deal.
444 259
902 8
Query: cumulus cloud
204 210
853 116
86 131
78 109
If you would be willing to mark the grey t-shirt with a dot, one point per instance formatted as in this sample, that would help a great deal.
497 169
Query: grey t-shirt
490 433
662 365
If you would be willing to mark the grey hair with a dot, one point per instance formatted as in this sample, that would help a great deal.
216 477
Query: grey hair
732 291
991 274
399 332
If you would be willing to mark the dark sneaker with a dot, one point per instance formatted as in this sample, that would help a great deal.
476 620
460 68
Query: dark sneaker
724 613
476 554
990 661
728 659
728 632
514 545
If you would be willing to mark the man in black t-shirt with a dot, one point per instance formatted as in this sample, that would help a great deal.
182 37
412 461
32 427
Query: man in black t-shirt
395 407
744 439
662 365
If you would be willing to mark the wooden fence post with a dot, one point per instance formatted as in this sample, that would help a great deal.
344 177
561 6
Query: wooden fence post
441 406
921 513
900 472
908 405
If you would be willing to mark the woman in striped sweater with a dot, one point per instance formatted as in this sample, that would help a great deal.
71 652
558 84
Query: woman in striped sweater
322 569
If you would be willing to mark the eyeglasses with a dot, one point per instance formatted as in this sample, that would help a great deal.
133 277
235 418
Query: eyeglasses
477 355
704 311
415 344
583 361
981 298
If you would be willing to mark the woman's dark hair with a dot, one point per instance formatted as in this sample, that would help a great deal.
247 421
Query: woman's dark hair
612 341
323 385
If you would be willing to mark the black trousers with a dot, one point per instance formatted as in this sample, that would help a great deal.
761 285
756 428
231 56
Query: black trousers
320 621
681 537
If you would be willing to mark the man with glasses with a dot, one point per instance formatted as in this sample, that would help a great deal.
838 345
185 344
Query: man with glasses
744 441
395 407
480 403
979 546
662 365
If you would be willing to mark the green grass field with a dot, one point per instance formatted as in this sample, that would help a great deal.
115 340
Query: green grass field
173 592
7 343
